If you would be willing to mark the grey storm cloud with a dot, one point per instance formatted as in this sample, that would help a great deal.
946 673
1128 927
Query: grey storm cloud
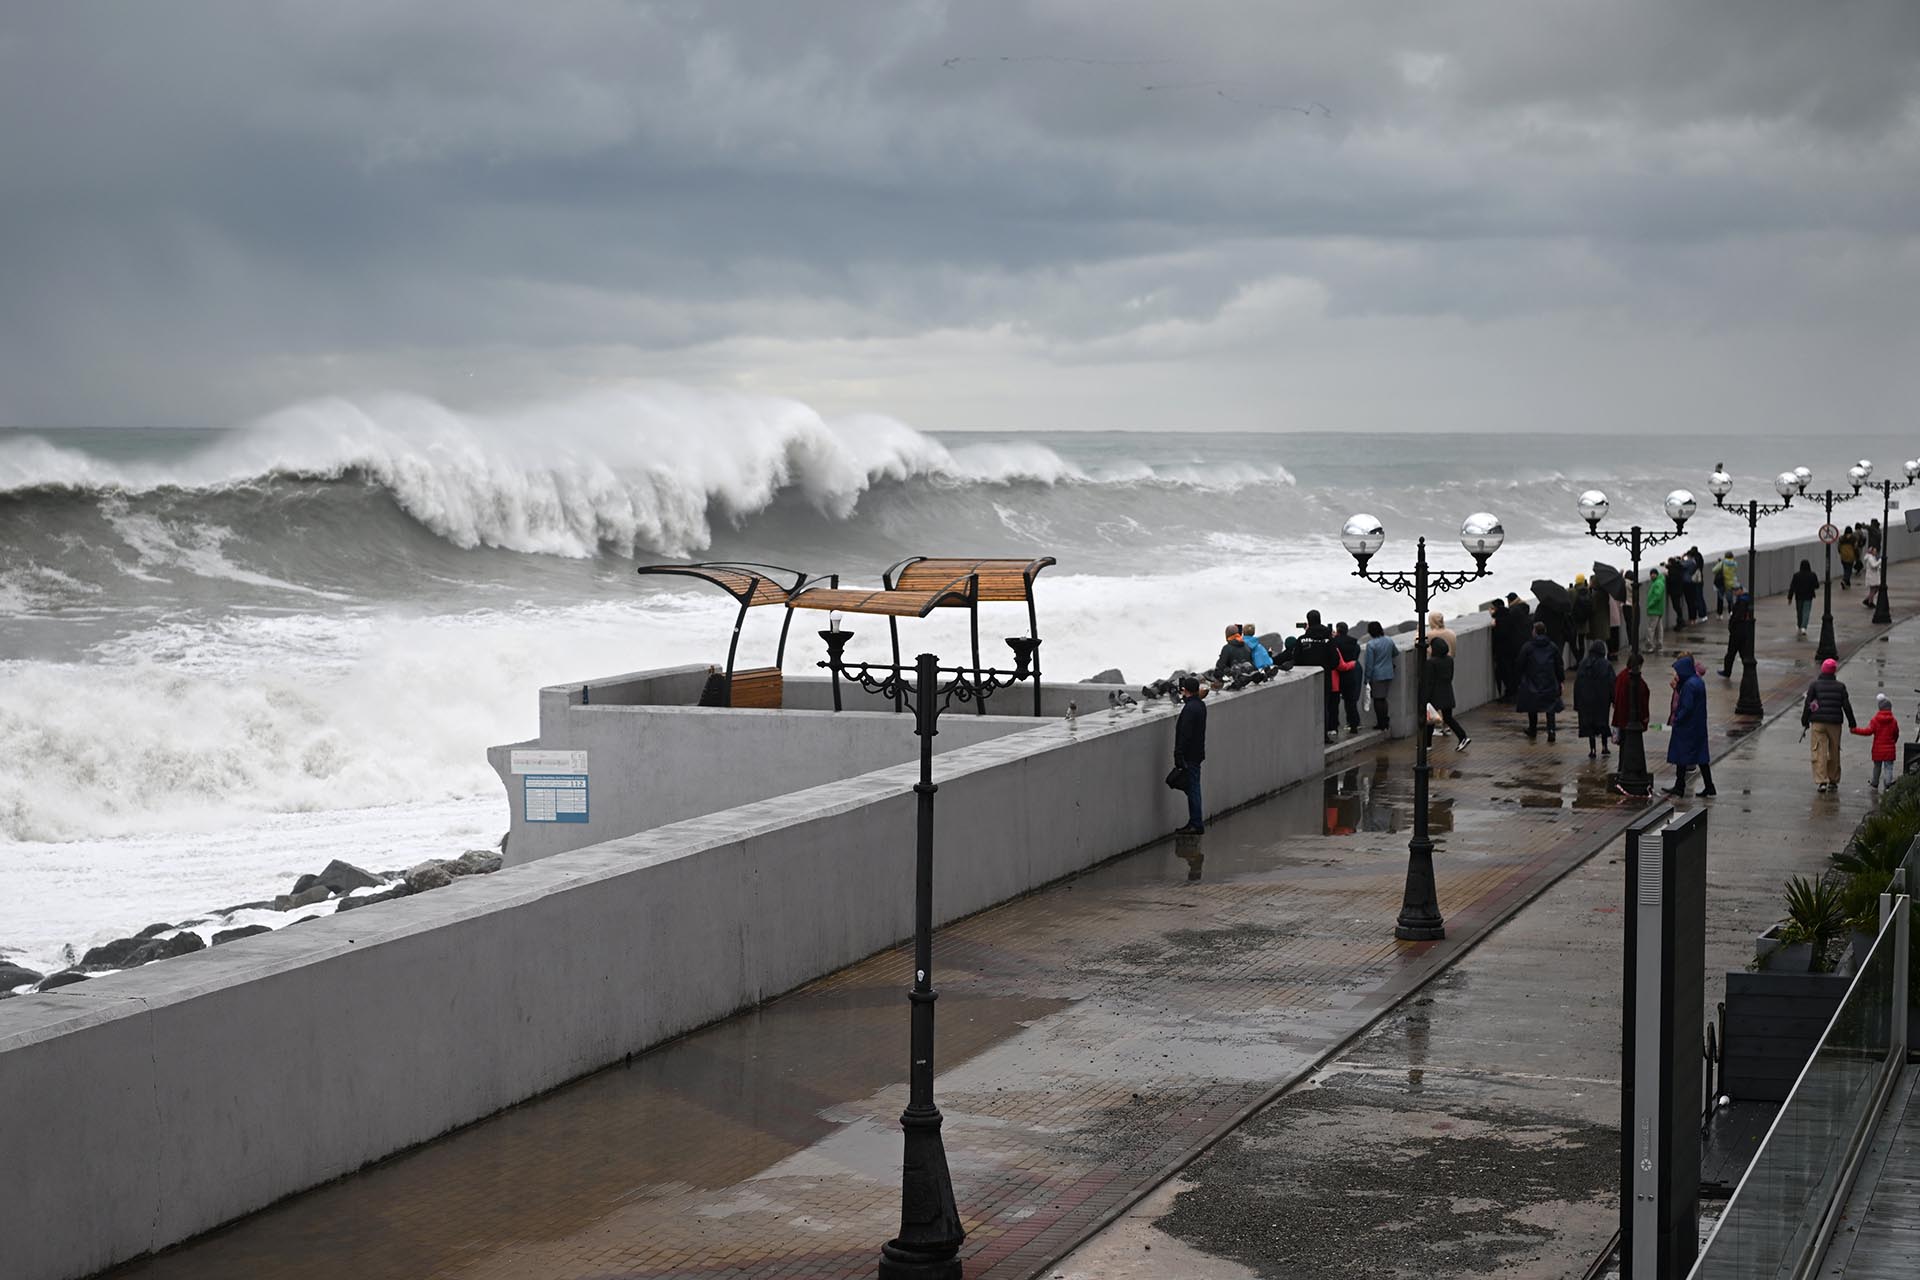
1160 214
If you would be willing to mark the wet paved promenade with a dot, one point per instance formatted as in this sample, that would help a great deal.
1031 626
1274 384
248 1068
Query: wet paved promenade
1092 1038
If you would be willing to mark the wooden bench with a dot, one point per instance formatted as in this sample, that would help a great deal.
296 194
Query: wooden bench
760 687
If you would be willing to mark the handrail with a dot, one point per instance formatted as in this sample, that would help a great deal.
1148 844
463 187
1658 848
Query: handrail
1895 934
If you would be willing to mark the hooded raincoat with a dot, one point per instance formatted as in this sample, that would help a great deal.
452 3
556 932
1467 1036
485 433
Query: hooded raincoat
1687 737
1593 691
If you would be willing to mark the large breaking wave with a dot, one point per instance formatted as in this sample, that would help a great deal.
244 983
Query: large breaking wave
640 469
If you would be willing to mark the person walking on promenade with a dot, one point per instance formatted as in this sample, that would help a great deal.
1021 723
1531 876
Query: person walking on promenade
1803 588
1739 633
1849 550
1376 664
1826 705
1346 674
1656 608
1439 693
1190 751
1687 731
1519 631
1870 565
1540 674
1885 732
1593 698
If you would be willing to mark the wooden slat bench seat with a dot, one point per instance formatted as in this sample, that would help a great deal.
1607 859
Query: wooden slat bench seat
760 687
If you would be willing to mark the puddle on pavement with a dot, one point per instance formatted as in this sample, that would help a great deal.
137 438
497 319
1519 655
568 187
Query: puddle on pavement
1591 788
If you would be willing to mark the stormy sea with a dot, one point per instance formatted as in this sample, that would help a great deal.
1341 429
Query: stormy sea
229 655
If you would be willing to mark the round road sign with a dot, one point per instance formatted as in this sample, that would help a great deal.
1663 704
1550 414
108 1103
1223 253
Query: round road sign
1829 534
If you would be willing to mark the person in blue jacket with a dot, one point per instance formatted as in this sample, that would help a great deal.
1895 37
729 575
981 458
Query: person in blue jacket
1251 637
1687 730
1376 667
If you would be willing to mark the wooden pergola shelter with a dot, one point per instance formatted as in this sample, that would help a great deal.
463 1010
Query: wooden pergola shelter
751 585
918 585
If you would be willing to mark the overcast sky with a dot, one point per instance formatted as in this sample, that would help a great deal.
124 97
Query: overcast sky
1604 215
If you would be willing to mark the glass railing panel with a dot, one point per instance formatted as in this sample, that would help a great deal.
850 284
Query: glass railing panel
1776 1210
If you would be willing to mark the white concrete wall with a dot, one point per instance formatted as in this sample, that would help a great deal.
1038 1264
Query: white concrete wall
169 1099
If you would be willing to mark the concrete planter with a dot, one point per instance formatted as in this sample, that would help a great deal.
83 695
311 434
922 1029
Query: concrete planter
1771 955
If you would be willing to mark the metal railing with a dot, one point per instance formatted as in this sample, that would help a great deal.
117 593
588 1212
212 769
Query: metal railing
1783 1212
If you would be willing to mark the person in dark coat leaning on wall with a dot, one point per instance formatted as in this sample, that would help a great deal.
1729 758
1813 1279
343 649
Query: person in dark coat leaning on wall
1190 751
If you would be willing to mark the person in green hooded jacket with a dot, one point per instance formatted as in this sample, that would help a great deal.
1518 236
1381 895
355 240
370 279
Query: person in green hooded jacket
1656 609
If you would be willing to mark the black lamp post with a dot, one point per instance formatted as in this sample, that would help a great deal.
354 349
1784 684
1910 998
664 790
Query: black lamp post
1481 534
1828 647
1634 777
1882 611
928 1245
1720 484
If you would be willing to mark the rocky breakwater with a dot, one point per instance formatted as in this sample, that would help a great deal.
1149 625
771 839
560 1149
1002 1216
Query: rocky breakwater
339 886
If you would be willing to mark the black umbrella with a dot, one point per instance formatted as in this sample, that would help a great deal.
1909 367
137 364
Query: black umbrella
1547 591
1607 578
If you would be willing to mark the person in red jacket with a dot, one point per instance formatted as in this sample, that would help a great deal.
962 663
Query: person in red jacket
1885 732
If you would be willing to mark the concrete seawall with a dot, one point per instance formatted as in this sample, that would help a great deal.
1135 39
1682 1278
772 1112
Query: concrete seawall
148 1106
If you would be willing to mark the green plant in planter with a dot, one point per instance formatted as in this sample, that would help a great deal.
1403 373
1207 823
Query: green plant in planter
1815 916
1871 857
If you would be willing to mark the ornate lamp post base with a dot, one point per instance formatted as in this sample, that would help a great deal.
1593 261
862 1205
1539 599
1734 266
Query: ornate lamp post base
930 1231
1749 703
1633 778
1420 919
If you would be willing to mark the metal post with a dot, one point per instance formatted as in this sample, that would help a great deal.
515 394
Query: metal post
1420 919
1882 611
1749 704
1634 778
930 1231
1827 648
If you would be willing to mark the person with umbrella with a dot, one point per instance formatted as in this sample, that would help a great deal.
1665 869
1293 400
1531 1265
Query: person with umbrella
1539 676
1555 612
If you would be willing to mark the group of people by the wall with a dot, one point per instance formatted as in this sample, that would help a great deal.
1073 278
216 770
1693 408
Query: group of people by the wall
1585 625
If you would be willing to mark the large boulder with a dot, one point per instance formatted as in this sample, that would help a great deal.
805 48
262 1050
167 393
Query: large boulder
112 955
64 979
243 906
344 877
1110 676
13 975
179 944
153 930
244 931
368 899
304 883
294 901
475 862
431 874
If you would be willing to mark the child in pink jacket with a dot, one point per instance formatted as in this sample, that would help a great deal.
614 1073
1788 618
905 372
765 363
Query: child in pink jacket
1885 732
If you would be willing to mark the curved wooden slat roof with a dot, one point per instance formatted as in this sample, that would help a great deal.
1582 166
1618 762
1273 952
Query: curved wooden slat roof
749 583
1000 579
895 603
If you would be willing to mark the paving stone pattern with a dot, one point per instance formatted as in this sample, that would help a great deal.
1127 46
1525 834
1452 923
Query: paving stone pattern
1093 1037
